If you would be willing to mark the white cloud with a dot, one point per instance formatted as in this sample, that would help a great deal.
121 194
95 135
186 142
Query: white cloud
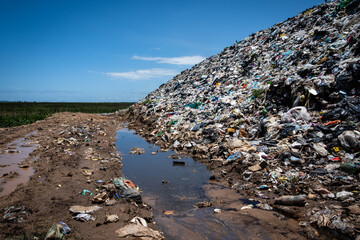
143 73
186 60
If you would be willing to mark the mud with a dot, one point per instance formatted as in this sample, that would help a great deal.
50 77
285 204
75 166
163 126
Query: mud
59 177
15 166
68 145
173 190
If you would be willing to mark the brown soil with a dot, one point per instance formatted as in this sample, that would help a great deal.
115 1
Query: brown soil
59 177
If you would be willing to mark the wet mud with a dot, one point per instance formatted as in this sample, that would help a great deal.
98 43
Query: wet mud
174 191
172 186
15 166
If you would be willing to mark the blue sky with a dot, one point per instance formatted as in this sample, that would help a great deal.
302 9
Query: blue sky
117 50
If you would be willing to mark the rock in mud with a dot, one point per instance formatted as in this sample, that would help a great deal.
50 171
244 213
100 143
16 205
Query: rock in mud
111 218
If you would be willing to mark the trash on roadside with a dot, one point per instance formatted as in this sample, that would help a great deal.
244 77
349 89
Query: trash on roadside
84 217
250 206
100 198
139 221
55 232
137 230
16 214
65 227
81 209
237 155
123 183
86 192
217 210
132 193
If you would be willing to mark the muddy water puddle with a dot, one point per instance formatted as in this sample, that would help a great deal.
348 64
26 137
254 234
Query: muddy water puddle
172 186
15 166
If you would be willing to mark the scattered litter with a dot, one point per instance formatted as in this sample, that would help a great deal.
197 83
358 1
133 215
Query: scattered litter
86 192
139 221
84 217
57 231
264 206
217 210
132 193
16 214
137 151
250 206
136 230
100 198
81 209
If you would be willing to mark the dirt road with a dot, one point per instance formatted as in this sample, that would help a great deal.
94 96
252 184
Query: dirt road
74 150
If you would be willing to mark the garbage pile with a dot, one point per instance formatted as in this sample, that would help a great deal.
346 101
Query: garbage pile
277 113
74 136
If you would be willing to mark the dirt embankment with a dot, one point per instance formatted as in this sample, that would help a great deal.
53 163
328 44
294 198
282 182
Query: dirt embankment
75 150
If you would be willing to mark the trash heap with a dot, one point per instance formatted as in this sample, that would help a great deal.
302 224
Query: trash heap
277 113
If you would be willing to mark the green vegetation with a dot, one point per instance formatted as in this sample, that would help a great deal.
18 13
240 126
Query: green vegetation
257 93
20 113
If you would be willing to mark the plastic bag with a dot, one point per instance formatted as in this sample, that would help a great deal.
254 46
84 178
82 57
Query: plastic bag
295 114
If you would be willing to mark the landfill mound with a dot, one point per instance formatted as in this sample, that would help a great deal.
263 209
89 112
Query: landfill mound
275 114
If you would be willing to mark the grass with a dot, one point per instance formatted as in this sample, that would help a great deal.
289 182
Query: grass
21 113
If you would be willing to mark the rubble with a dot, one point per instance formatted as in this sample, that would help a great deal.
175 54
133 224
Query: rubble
279 108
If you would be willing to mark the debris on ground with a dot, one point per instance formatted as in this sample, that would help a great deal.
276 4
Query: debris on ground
72 148
137 230
203 204
81 209
279 109
137 151
16 214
